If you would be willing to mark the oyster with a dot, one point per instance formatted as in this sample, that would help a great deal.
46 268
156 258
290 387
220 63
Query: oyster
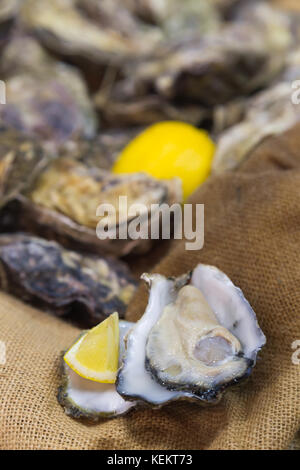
198 336
110 36
187 78
177 18
242 57
45 98
85 288
266 113
66 196
21 159
101 151
82 398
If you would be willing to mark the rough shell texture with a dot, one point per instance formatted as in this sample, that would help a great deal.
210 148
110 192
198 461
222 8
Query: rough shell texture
66 196
45 98
84 287
187 78
21 160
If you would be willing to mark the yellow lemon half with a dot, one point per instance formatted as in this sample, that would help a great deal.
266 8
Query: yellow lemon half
169 149
95 355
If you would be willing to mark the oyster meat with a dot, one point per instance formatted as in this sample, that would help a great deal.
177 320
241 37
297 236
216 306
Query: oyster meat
198 336
85 288
82 398
45 98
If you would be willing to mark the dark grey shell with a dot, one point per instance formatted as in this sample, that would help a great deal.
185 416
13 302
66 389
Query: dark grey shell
21 160
85 288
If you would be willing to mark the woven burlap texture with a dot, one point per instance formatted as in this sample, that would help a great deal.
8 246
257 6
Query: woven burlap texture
252 233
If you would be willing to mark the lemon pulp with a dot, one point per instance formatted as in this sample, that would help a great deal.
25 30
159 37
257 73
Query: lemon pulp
167 150
95 355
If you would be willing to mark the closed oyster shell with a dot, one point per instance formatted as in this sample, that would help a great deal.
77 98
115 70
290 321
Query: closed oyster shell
21 160
63 202
85 288
242 57
266 113
88 400
8 13
45 98
91 42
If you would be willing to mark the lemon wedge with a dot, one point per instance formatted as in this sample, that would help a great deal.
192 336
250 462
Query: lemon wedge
170 149
95 355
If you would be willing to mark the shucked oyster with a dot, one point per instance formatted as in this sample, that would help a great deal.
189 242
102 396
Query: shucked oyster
82 398
66 196
86 288
198 336
45 98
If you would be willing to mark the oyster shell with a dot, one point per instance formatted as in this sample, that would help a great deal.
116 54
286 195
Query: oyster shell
45 98
59 25
21 160
266 113
198 336
65 198
85 288
187 78
8 13
82 398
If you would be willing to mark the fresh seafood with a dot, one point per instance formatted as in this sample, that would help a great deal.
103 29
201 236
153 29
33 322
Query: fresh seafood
21 160
268 112
8 13
85 288
187 79
45 98
65 198
197 337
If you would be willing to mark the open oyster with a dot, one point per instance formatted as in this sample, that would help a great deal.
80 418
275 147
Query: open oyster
82 398
198 336
86 288
65 198
45 98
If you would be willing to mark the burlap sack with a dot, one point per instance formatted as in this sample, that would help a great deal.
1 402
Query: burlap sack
252 232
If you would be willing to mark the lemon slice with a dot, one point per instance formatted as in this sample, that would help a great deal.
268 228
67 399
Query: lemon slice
95 355
170 149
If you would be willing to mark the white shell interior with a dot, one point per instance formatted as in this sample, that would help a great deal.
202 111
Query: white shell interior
134 379
95 397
